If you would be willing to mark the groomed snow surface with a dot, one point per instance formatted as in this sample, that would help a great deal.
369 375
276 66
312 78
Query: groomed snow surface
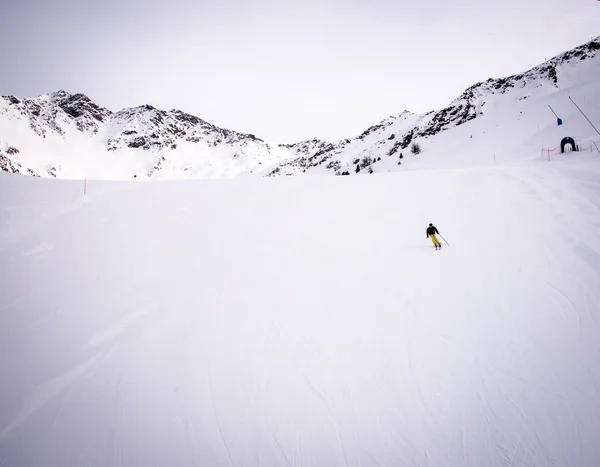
303 321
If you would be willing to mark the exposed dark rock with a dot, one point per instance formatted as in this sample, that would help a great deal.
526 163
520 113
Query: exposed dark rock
12 99
157 166
79 105
138 142
395 148
6 165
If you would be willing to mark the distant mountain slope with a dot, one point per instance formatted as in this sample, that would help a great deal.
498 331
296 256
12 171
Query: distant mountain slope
503 100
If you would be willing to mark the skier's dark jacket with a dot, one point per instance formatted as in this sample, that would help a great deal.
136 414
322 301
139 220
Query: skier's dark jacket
431 230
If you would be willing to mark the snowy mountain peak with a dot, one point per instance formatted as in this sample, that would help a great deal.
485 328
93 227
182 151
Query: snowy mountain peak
55 112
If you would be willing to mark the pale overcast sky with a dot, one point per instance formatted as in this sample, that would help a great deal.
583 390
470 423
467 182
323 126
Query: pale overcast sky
282 70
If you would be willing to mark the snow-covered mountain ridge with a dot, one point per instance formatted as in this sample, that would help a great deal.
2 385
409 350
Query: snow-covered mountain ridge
393 135
69 136
65 123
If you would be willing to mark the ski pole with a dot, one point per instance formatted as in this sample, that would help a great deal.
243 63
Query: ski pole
444 240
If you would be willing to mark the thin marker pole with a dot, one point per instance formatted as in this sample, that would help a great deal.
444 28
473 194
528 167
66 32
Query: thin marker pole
590 122
444 239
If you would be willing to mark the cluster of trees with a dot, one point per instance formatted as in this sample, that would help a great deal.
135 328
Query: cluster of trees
367 161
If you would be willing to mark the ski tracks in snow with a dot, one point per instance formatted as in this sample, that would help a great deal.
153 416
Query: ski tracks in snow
217 419
336 422
47 391
113 332
571 305
277 443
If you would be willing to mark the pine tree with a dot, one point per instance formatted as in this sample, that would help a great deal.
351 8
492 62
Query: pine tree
415 148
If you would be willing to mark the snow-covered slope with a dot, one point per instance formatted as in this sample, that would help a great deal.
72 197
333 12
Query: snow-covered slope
68 136
304 321
490 119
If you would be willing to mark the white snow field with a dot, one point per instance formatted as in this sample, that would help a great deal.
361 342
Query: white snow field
304 321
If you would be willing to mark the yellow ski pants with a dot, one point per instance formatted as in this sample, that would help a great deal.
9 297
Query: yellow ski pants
435 240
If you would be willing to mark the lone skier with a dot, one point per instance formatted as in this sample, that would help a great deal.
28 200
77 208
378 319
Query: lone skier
431 232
